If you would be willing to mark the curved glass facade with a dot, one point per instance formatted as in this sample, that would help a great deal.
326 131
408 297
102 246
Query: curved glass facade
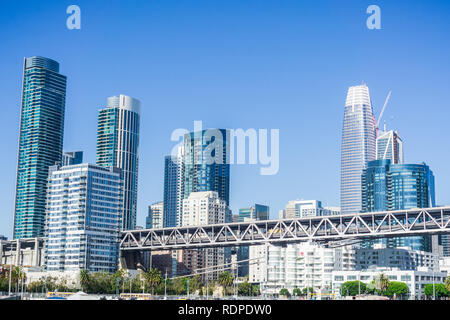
40 142
389 187
358 146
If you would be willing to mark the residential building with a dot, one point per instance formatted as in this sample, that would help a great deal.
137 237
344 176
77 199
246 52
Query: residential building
84 217
154 219
173 188
71 158
202 208
118 146
390 146
387 187
358 146
307 208
40 142
257 212
414 279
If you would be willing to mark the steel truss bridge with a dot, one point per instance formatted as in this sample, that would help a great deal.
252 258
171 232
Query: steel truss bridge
325 229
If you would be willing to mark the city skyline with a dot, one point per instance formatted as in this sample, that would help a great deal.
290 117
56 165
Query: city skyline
418 148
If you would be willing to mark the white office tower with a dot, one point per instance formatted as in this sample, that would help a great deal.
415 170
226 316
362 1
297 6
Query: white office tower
83 218
202 208
358 146
307 208
154 219
390 146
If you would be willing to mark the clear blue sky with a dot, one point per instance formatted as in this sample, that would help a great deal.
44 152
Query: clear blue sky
237 64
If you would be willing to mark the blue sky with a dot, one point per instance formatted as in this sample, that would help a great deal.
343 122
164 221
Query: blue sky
237 64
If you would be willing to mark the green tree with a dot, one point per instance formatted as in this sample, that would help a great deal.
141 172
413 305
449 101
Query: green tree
85 280
285 293
400 289
352 288
195 283
307 290
381 283
297 292
447 283
439 290
245 289
154 278
225 280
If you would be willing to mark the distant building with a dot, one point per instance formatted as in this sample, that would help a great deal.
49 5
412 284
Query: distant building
173 189
118 146
307 208
83 220
22 252
154 219
71 158
390 147
257 212
414 279
202 208
387 187
2 237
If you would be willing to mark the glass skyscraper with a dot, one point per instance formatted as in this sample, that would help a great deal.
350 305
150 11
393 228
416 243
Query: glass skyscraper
206 163
40 142
390 146
358 146
118 146
173 188
388 187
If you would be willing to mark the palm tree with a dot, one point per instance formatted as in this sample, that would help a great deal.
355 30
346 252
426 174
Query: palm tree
154 278
84 280
447 284
225 280
382 283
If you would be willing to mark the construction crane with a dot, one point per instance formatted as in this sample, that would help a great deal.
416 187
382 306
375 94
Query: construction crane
384 108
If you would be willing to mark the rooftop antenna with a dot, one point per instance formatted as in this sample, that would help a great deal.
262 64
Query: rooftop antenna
384 108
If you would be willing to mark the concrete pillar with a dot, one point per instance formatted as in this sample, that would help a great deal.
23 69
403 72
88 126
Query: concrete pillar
36 253
1 252
17 253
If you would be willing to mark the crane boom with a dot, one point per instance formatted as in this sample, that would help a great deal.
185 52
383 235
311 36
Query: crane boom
384 108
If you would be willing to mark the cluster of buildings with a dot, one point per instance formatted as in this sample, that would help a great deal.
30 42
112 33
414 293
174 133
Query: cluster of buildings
69 214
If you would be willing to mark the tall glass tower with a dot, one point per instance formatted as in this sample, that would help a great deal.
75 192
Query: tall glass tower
358 146
118 146
389 187
173 188
40 142
206 163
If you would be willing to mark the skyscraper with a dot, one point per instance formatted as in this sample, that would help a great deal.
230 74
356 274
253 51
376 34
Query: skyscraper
118 146
71 158
173 189
154 219
40 142
358 146
206 163
388 187
390 146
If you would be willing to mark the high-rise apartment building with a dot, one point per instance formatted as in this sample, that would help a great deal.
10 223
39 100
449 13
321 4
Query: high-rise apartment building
173 188
206 163
198 209
358 146
390 146
118 146
154 219
257 212
387 187
83 218
40 141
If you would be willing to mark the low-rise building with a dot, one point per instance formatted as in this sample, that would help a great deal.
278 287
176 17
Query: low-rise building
414 279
